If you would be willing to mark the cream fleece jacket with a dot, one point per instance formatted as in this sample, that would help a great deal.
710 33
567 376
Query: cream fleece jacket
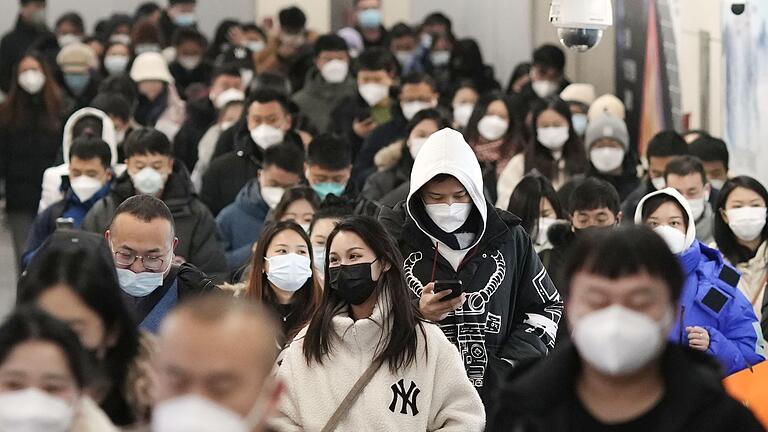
432 394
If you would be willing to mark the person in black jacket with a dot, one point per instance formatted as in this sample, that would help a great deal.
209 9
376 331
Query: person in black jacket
151 171
266 122
620 373
203 113
417 92
390 184
547 77
190 67
661 149
30 26
178 14
356 116
30 138
142 237
509 309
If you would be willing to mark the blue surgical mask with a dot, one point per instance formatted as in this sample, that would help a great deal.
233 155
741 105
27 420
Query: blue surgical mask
185 19
325 189
369 18
579 123
139 284
77 82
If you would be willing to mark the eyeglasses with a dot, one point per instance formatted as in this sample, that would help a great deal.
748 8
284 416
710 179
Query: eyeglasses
150 263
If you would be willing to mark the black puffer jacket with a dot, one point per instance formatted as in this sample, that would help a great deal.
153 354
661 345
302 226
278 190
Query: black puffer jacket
541 398
512 309
195 227
394 163
229 173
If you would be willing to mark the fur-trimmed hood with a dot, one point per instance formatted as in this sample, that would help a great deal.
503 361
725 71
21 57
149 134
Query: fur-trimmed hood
389 156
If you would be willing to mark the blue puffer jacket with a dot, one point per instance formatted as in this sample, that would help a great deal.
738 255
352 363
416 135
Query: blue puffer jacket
711 300
241 224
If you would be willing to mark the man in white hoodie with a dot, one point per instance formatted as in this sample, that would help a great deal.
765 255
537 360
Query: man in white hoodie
509 310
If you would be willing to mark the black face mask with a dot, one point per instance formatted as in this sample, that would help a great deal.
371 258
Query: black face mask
352 283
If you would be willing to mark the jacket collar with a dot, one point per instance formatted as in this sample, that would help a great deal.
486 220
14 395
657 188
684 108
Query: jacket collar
691 383
365 335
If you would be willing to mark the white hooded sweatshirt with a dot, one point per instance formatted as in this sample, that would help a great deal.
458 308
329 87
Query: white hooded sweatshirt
446 152
52 176
431 394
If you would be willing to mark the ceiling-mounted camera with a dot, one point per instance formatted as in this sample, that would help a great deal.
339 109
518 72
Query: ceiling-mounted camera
581 23
739 7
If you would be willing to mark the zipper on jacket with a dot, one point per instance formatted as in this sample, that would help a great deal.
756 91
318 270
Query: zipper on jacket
682 341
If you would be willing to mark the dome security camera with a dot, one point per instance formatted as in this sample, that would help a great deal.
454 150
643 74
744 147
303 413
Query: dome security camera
581 23
738 7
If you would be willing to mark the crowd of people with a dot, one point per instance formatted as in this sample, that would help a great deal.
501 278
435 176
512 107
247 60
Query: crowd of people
280 230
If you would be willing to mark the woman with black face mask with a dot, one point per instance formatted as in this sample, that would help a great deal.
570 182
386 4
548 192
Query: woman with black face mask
368 360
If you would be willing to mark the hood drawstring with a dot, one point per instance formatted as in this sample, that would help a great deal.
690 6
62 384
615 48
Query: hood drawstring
434 261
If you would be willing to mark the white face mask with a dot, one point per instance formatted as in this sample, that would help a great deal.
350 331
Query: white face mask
449 217
68 39
659 183
255 46
492 127
747 223
116 64
227 96
580 123
265 136
674 238
32 81
697 206
139 284
544 88
373 93
410 109
85 187
415 145
289 272
618 341
272 195
198 414
319 256
335 71
120 38
148 181
544 225
462 113
717 183
189 62
606 159
33 410
553 138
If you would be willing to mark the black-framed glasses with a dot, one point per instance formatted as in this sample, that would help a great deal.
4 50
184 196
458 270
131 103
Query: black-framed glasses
150 263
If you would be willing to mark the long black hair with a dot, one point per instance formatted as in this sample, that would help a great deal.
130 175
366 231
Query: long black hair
258 289
83 263
512 142
31 324
724 237
526 200
539 157
401 320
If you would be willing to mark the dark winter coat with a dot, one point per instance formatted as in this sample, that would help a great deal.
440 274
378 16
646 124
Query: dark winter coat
512 309
241 223
13 46
379 138
26 151
541 397
319 98
394 163
228 173
201 114
195 227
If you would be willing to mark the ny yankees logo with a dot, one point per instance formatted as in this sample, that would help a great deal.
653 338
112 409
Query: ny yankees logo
408 397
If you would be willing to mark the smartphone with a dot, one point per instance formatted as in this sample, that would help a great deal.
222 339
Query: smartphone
454 286
65 223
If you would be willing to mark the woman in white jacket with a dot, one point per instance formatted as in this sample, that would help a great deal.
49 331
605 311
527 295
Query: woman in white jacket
366 318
